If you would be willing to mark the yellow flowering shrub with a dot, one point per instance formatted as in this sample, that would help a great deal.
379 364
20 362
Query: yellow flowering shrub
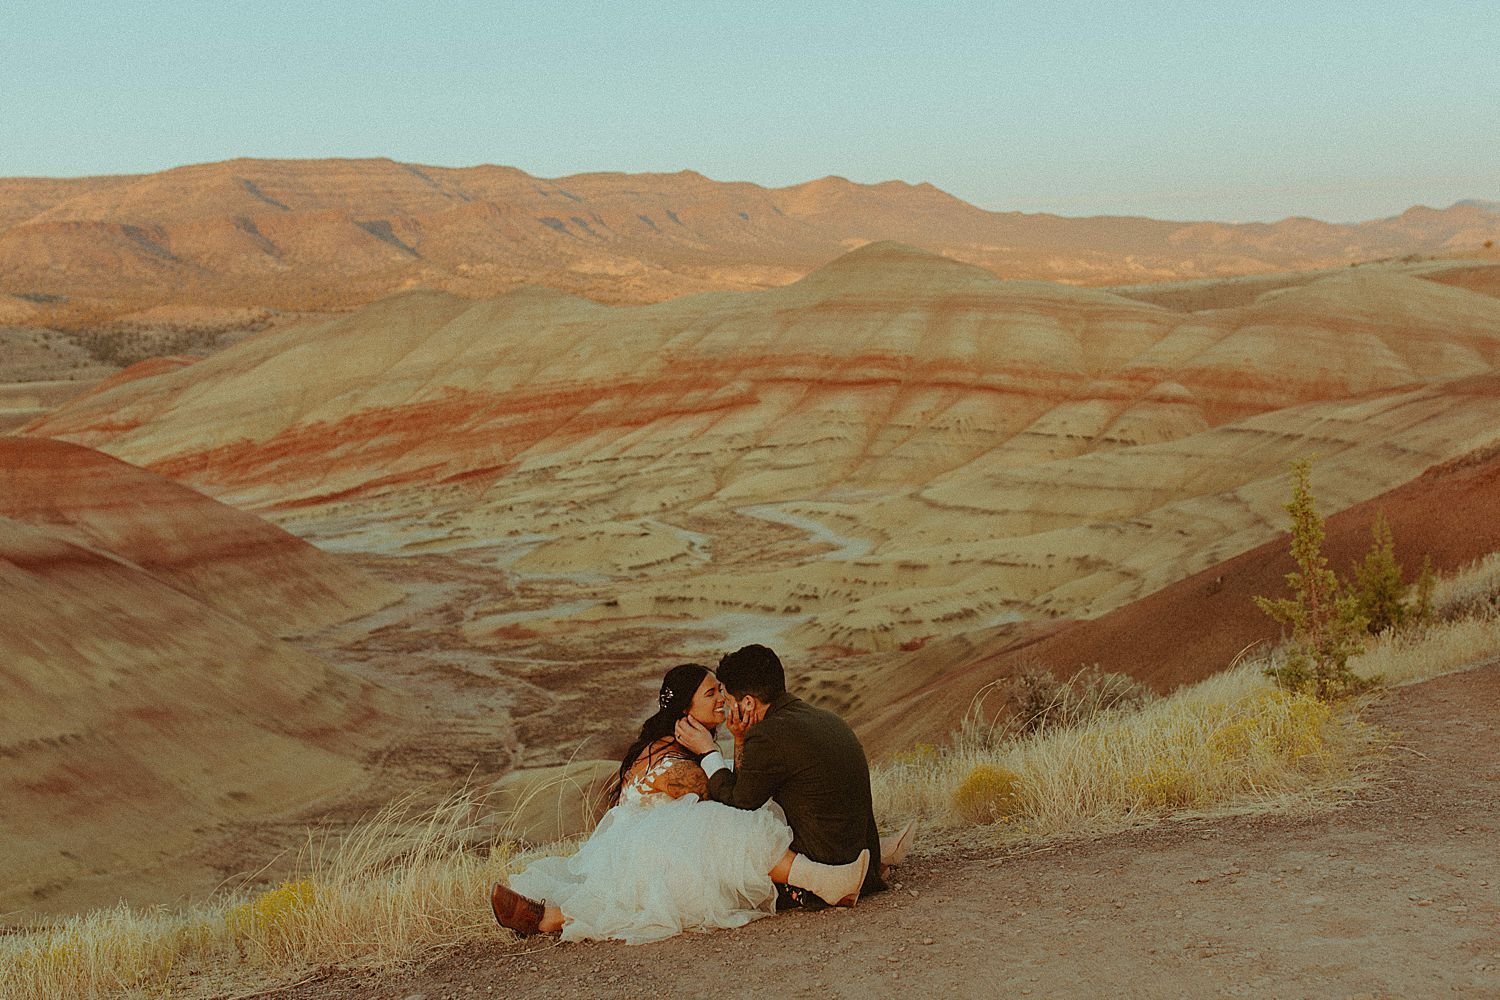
1165 783
273 910
988 794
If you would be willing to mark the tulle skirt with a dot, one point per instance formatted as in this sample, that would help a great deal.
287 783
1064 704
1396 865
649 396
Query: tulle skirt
661 866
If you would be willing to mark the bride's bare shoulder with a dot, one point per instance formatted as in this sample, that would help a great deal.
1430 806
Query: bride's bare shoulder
682 776
664 766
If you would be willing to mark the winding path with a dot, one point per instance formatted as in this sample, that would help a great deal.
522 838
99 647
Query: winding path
845 547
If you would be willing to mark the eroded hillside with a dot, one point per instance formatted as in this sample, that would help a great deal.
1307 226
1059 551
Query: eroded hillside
895 448
148 701
900 471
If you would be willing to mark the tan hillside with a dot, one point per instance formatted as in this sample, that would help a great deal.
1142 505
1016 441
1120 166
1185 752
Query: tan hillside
895 470
234 561
1195 627
332 234
897 448
146 703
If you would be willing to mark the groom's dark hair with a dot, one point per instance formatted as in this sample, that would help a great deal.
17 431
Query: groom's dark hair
753 670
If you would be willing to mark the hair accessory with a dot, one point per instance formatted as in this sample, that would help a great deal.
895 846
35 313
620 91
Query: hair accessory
665 697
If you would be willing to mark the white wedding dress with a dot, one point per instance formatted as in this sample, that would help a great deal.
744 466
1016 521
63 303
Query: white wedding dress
658 865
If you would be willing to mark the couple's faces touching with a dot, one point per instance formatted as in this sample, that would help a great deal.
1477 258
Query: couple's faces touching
711 701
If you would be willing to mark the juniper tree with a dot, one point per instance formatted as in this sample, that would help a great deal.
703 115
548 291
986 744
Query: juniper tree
1379 590
1324 618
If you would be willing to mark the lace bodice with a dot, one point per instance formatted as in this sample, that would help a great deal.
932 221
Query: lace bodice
662 770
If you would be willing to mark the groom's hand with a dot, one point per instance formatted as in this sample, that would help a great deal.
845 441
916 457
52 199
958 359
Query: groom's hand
695 736
738 720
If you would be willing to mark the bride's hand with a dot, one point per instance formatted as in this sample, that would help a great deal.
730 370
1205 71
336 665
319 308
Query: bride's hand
695 736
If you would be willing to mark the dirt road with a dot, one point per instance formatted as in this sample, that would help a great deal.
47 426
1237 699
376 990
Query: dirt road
1394 895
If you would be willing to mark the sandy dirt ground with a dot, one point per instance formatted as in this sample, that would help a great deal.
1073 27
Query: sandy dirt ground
1394 894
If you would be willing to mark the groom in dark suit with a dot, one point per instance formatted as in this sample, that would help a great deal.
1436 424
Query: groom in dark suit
805 758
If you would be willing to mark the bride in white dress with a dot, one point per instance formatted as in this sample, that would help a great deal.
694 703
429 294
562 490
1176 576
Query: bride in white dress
665 858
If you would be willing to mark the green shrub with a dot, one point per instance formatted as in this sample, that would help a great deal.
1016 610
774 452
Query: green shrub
1379 585
1379 591
1324 617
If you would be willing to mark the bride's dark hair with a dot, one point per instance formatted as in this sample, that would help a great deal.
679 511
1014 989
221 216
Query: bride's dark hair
673 701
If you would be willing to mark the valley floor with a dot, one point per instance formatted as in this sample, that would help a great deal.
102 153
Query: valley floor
1397 893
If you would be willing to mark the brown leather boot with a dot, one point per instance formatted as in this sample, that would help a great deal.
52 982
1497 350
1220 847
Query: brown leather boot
515 912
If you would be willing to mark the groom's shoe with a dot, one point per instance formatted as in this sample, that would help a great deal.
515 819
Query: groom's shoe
894 847
836 884
515 912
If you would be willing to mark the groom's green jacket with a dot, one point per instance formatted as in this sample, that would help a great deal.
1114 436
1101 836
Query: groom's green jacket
812 764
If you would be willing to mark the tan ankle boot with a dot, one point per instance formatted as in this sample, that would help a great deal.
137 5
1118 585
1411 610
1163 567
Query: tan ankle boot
836 884
893 848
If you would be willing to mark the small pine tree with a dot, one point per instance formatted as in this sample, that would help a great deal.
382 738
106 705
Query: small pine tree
1324 618
1379 590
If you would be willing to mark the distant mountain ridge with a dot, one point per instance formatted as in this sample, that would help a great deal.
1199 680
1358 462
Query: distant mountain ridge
321 235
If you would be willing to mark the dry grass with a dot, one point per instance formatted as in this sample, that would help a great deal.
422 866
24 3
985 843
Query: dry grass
410 882
403 884
1469 593
1034 698
1232 740
1396 658
395 887
1465 630
108 953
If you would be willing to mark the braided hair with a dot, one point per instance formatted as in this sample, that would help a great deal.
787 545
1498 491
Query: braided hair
673 701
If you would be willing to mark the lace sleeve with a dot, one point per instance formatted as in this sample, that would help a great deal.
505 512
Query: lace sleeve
679 778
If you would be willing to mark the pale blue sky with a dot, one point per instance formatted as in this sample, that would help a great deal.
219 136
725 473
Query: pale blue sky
1231 111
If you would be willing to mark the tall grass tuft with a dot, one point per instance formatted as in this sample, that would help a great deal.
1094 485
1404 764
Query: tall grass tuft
1470 593
402 884
1232 740
1397 658
108 953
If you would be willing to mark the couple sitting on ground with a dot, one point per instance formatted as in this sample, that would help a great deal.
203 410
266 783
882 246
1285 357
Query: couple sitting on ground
693 842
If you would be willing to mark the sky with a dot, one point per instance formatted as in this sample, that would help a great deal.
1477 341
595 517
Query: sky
1187 110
